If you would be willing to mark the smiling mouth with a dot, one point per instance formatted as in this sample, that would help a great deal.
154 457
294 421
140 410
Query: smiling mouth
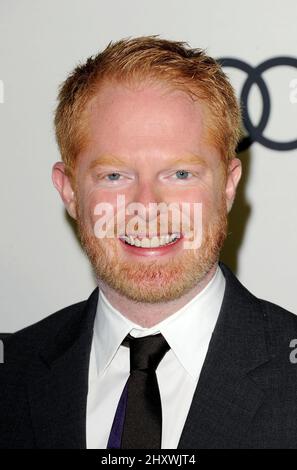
151 242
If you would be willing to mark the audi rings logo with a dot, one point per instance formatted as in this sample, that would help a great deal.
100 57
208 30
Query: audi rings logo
254 76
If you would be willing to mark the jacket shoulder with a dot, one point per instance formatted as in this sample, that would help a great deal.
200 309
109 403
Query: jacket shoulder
31 338
282 323
278 313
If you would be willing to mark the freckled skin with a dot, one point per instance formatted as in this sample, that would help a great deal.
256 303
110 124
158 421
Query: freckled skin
148 127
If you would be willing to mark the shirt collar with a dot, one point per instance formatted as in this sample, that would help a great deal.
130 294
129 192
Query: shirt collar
187 331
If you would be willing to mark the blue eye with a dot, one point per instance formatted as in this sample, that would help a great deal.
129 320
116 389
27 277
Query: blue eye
112 175
183 173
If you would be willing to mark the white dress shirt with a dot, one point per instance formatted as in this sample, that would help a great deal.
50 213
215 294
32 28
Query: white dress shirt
188 332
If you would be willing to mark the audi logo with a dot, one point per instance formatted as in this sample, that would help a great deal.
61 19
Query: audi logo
254 76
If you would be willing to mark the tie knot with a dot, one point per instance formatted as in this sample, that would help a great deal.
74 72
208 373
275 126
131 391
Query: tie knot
146 352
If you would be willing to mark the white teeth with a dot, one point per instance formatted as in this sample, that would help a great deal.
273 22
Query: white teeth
153 242
145 243
166 238
174 236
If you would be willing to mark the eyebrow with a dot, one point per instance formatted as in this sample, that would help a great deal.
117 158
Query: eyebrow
117 161
107 160
191 158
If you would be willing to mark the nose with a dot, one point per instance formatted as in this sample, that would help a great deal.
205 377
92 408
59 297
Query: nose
147 193
148 196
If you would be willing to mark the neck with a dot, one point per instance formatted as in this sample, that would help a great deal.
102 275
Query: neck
146 314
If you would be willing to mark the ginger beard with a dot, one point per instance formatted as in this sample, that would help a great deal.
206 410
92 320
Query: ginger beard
154 281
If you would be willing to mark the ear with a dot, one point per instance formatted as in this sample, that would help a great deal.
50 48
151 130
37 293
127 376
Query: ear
63 184
233 177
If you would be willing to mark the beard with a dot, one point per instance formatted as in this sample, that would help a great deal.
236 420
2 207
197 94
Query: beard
154 281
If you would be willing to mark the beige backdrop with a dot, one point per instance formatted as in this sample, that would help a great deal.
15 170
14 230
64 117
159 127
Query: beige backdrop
43 268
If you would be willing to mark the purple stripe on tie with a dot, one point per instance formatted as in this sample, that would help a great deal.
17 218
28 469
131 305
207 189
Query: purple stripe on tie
115 437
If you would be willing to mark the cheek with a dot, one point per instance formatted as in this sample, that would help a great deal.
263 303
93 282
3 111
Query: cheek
211 205
204 196
99 208
214 196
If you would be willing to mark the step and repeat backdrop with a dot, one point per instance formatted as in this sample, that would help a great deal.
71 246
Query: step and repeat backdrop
42 266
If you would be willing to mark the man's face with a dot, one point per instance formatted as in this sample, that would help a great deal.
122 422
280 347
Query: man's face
135 137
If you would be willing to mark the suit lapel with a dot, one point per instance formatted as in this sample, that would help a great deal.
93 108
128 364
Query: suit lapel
59 386
227 395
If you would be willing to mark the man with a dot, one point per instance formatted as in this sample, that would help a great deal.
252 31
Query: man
170 350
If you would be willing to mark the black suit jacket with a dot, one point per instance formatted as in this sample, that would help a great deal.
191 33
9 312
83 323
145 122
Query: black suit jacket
246 395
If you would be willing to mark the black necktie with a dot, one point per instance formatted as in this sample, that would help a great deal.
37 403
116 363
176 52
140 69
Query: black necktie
138 420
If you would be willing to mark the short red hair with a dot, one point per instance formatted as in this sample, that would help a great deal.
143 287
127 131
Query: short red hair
139 59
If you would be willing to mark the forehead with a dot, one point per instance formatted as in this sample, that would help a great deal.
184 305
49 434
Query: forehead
145 110
147 122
